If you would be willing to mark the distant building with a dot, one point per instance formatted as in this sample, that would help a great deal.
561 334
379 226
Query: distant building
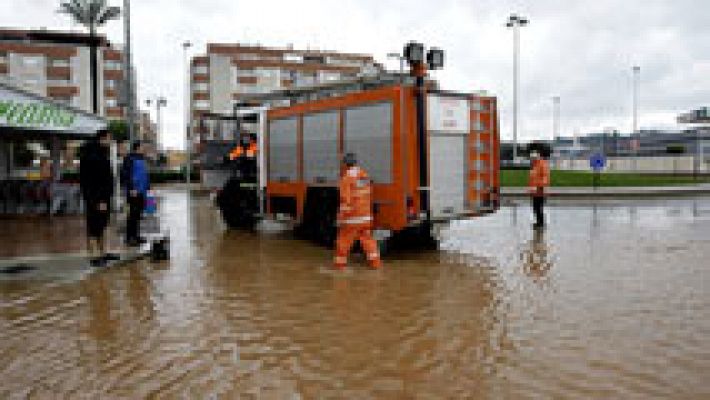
56 64
147 129
228 72
647 143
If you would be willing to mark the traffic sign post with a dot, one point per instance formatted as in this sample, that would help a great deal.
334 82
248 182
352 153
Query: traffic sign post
597 162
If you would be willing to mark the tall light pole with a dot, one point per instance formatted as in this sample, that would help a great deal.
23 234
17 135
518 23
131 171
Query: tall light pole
128 70
637 138
555 122
401 64
159 102
187 100
515 22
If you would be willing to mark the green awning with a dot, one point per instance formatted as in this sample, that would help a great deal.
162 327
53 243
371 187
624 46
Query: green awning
23 111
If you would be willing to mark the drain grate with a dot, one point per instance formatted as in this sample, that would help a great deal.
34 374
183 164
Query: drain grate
17 269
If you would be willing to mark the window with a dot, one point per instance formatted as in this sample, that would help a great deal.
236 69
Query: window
32 61
368 133
248 56
293 58
112 65
111 102
320 147
202 104
246 73
66 100
58 82
201 87
244 88
201 70
283 150
111 84
3 57
325 76
30 82
267 73
60 62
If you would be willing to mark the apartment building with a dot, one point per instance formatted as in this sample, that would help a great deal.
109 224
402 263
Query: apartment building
227 73
56 64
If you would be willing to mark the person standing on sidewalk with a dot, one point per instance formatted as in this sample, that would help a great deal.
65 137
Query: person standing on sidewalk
96 184
136 181
539 180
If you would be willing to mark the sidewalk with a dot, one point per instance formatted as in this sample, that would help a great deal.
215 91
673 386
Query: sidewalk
641 191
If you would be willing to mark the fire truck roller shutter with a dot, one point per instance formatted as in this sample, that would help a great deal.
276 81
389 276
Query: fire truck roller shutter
368 134
320 147
283 150
449 126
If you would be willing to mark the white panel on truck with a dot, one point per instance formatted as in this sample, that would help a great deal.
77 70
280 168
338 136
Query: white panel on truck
283 150
447 175
448 114
448 123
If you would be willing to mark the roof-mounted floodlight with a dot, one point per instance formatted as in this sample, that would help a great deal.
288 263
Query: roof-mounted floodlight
435 58
414 52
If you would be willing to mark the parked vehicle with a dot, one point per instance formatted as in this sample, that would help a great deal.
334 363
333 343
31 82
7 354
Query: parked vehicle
432 156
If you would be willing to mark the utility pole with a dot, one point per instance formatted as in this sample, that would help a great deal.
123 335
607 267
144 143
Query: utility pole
187 100
637 144
515 22
160 102
555 123
128 69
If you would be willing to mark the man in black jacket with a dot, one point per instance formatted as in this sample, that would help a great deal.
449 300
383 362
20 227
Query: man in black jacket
96 182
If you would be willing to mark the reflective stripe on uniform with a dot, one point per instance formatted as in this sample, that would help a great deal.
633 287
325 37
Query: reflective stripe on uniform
373 256
356 220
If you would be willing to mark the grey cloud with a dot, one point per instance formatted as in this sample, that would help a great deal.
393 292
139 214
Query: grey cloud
580 50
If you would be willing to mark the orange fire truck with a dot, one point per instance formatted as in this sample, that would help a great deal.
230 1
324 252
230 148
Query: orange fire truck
432 155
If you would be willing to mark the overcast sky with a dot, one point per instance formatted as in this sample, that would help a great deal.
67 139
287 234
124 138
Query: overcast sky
580 50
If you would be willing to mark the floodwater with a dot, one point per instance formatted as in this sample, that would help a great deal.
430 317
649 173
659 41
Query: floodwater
611 301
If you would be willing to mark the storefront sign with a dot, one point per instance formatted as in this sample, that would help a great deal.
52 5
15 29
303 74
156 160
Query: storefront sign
22 110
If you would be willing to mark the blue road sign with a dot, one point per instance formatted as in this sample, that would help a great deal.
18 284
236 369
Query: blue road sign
597 162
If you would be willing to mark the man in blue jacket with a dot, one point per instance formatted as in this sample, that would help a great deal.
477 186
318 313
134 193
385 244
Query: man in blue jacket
136 182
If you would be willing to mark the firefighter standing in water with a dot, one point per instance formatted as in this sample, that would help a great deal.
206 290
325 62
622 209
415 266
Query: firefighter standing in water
539 180
355 215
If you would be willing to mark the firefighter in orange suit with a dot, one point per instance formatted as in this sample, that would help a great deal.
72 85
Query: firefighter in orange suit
539 180
355 215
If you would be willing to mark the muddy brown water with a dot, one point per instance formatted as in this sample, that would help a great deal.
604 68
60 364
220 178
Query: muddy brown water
609 302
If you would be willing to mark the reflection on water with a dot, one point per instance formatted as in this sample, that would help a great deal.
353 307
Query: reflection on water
607 302
536 257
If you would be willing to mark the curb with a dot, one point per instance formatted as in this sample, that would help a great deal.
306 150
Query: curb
610 192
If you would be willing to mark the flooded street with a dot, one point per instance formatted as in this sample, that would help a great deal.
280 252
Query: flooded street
611 301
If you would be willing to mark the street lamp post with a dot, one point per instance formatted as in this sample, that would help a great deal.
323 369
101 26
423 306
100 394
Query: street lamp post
401 64
187 98
128 70
637 143
515 22
160 102
555 122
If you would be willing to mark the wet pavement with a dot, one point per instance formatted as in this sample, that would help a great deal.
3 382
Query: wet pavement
610 301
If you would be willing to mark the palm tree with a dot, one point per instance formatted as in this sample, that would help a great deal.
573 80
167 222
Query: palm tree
92 14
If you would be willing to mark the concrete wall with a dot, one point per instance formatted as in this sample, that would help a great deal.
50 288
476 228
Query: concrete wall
681 164
81 77
220 84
